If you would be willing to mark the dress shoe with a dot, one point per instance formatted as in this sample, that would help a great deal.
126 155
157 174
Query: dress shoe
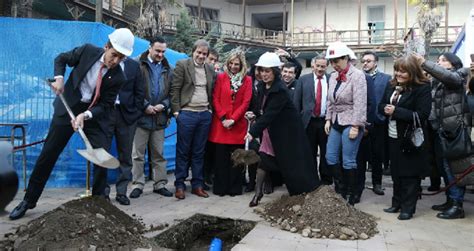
443 207
122 199
136 192
163 191
200 192
357 198
392 210
378 189
454 212
179 194
20 210
255 200
404 216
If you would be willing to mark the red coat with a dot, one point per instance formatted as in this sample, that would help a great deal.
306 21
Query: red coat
224 106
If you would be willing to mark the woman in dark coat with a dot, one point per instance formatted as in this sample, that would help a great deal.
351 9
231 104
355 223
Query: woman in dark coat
448 109
409 92
284 144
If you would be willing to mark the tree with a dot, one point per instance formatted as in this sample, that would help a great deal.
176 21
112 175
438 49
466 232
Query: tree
153 16
184 33
429 19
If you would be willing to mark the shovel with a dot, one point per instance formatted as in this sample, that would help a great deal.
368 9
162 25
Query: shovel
245 156
98 156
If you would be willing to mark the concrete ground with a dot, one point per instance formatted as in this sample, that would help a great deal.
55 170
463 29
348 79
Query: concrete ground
423 232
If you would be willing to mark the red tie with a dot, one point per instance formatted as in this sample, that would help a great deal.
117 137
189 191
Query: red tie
317 105
97 86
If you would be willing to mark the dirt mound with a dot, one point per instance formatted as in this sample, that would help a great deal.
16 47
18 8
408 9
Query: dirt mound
80 224
321 214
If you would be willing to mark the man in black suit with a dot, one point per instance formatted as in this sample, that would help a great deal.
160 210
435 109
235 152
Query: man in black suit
310 100
90 91
128 108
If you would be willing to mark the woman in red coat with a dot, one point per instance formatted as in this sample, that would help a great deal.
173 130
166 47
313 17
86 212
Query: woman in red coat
231 99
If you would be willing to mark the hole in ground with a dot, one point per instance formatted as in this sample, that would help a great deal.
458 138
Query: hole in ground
196 233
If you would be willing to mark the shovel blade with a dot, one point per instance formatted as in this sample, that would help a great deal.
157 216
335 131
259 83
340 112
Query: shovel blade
100 157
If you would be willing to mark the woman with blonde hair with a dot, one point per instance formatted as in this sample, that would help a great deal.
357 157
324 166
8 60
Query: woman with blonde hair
407 100
231 99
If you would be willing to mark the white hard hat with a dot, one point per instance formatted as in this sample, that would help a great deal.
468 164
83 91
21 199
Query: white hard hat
352 55
337 50
122 40
268 60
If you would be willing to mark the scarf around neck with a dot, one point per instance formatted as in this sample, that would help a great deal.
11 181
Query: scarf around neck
342 74
235 82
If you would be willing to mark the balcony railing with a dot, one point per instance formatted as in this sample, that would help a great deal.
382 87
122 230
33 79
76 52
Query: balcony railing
310 39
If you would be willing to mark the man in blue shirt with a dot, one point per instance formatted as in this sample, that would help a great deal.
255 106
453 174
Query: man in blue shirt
379 129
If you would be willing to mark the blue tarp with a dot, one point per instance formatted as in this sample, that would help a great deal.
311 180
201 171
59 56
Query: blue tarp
28 48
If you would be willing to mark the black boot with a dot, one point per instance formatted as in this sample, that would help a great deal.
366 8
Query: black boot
258 188
336 172
443 207
351 179
454 212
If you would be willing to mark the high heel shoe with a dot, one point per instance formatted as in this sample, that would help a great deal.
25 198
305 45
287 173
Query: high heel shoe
255 200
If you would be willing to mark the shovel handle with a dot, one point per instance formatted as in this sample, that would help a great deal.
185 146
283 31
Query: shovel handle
247 141
73 117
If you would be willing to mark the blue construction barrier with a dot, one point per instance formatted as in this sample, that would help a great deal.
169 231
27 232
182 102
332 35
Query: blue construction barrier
28 48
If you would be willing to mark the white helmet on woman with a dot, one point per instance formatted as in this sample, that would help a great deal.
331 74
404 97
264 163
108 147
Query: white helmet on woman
337 49
122 40
268 60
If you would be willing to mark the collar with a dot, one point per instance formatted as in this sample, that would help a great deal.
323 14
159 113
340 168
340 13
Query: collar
198 65
316 76
153 62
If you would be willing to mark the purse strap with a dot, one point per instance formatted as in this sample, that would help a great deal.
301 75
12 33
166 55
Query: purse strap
416 120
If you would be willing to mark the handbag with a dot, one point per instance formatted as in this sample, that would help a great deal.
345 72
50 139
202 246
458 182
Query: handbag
413 137
456 145
417 136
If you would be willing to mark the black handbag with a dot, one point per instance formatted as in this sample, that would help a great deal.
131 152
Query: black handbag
456 145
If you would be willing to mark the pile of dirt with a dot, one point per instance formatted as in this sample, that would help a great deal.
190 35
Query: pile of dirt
320 214
88 223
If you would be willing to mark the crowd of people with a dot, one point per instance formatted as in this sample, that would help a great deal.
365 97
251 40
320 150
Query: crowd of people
321 128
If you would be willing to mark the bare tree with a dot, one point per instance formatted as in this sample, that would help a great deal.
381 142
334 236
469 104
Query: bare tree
153 16
429 19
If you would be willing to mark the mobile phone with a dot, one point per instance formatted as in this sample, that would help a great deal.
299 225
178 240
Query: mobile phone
472 58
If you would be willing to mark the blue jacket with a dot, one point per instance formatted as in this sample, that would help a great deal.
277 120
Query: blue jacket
371 105
381 81
160 120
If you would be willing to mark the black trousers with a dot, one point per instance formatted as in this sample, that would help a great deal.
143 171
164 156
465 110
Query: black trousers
377 149
318 140
60 132
123 134
227 178
363 157
208 168
405 193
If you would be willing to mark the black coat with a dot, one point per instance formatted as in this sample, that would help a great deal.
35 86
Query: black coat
132 93
81 59
448 90
290 143
418 99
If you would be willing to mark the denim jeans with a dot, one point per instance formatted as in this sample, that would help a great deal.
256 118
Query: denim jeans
455 192
192 132
338 141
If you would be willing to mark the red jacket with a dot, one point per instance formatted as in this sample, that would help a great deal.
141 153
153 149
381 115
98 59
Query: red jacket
224 106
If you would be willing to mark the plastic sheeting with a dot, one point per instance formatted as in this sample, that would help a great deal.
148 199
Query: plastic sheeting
28 48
